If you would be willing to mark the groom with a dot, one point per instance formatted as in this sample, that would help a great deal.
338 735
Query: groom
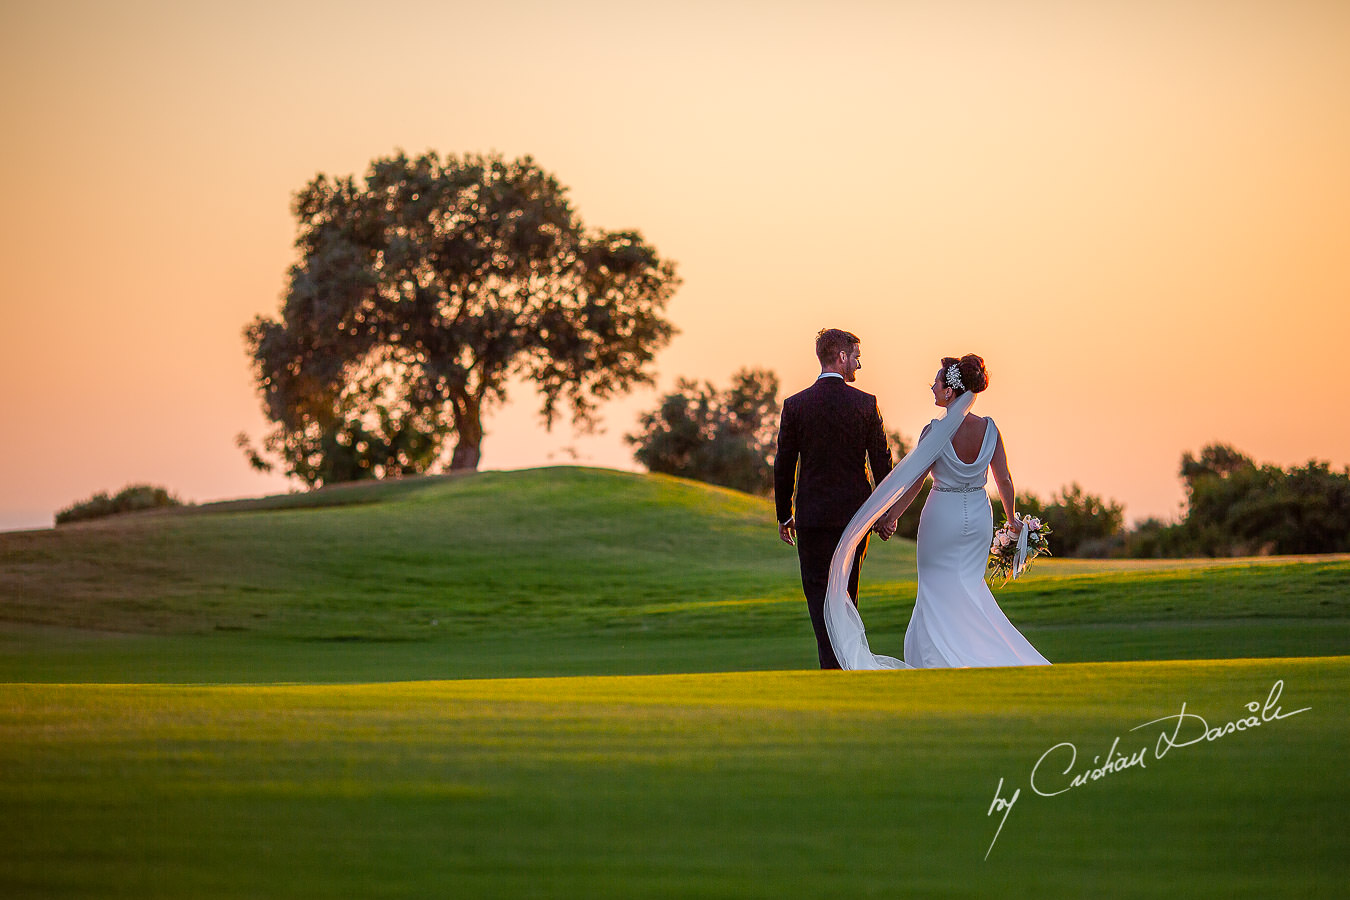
828 436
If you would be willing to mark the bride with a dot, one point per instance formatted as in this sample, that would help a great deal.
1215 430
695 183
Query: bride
956 621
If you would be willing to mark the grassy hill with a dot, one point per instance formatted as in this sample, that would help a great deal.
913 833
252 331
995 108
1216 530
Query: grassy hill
558 571
542 549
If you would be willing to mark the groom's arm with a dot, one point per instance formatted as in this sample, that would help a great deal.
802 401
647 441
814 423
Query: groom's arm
785 472
878 454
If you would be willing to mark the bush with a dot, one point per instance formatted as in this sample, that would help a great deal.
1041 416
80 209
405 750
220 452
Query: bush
1084 524
1152 539
719 437
1238 508
129 499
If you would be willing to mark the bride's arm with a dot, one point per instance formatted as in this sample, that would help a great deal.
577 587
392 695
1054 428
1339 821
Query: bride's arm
1003 481
887 523
892 515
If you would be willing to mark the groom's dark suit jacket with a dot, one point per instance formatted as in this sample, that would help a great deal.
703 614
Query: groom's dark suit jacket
828 434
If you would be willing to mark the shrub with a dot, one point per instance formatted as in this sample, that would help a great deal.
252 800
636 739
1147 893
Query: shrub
129 499
719 437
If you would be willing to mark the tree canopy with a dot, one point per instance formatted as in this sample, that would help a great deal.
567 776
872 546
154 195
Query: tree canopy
1236 507
721 437
420 293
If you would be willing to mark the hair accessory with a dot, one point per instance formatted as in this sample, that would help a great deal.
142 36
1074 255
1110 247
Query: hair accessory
954 378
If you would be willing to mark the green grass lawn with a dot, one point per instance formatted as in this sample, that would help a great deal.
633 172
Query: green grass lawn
322 695
801 784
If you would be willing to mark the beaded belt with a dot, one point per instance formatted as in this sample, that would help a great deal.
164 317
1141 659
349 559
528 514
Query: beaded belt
964 490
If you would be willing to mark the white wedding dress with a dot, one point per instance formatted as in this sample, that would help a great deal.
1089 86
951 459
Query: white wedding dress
956 621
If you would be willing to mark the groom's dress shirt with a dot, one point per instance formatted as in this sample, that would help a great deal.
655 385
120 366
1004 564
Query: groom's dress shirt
827 437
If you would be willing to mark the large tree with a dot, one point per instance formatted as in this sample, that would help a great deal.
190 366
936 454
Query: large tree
419 294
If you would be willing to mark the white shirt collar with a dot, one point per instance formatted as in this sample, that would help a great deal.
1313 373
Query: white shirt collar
830 375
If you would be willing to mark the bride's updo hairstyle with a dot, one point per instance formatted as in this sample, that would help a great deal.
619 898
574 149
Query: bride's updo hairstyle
974 376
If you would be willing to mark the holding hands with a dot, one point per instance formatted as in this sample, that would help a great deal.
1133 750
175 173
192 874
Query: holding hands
886 526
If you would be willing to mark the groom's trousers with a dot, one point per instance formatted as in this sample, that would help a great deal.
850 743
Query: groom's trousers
815 548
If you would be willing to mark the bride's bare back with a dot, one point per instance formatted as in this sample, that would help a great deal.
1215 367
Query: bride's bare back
969 437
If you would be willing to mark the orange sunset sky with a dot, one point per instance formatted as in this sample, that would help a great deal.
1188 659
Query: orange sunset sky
1138 211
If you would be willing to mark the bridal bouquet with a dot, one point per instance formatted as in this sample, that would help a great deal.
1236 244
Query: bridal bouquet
1003 552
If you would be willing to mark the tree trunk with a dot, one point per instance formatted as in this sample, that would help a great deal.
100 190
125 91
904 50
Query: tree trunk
468 434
